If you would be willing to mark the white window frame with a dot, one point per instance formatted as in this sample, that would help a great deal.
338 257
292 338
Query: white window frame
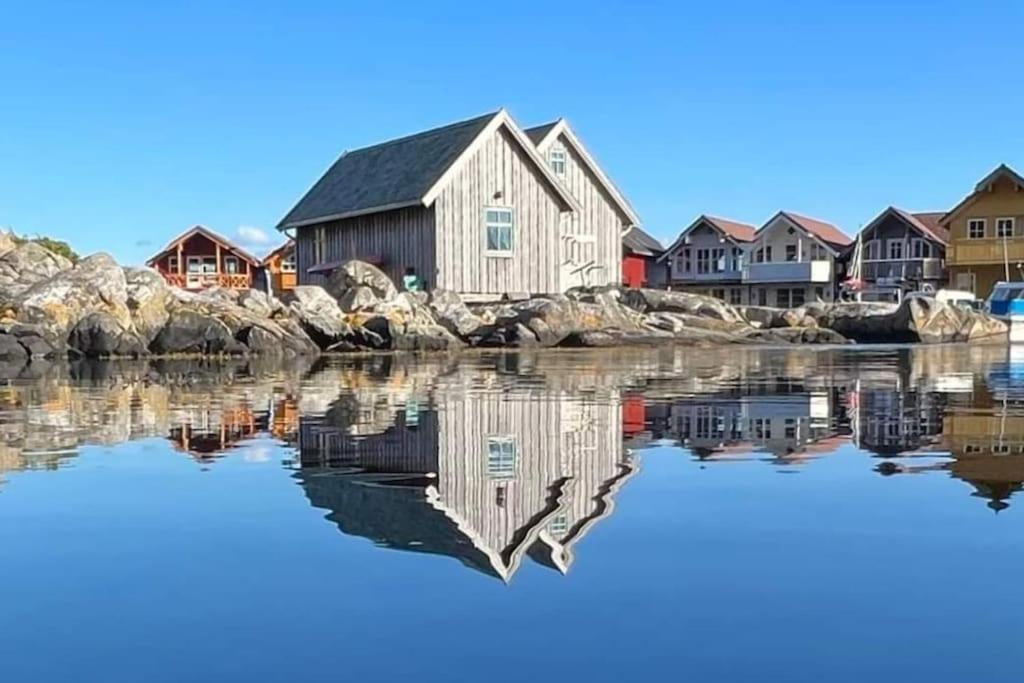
228 261
172 264
502 457
288 264
920 246
889 245
496 224
558 159
971 223
1001 221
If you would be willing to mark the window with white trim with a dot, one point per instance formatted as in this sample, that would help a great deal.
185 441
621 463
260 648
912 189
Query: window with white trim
230 264
1004 227
922 248
501 457
288 262
558 161
895 250
172 264
499 231
976 228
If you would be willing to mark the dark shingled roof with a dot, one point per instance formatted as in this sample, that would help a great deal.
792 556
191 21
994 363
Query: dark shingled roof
538 133
388 175
639 242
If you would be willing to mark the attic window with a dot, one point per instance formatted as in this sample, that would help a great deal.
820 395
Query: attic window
558 161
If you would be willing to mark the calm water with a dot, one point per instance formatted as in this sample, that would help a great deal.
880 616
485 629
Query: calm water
748 515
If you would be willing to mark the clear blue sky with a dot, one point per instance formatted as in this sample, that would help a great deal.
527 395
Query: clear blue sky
122 124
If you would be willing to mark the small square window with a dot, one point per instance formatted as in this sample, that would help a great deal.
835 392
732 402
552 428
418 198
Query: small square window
895 250
172 264
499 231
976 228
288 263
230 264
1004 227
558 161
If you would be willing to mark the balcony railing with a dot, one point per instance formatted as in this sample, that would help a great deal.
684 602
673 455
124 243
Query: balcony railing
789 271
984 251
205 280
914 269
679 275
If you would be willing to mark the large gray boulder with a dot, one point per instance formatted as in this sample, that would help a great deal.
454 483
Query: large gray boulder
917 319
658 300
7 242
149 301
319 315
360 274
93 285
192 332
100 335
452 312
25 265
358 299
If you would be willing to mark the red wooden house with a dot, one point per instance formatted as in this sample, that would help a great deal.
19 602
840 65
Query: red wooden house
640 253
200 258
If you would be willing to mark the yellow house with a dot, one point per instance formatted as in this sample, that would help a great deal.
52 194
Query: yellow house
986 234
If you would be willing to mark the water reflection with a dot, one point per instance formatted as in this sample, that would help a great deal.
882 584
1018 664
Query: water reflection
500 459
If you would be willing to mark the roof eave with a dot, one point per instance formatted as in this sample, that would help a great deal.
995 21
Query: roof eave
349 214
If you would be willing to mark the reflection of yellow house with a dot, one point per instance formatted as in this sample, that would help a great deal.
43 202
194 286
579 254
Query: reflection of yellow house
986 233
286 419
988 451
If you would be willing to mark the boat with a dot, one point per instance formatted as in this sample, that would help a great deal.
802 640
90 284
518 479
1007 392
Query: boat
1007 304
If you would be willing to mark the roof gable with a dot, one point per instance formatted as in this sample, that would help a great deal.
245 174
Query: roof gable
210 235
984 185
408 171
834 239
639 242
543 136
926 223
279 249
734 231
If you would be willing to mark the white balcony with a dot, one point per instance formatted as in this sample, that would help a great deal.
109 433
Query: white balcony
789 271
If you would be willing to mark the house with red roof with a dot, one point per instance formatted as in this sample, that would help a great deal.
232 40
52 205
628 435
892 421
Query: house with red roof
199 258
903 251
795 259
708 257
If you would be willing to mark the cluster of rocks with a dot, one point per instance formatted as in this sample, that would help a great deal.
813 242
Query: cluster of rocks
97 308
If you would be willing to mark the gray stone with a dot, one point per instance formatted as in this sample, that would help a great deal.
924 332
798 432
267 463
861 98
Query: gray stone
25 265
190 331
358 299
319 315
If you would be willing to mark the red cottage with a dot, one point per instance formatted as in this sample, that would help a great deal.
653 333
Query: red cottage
640 253
200 258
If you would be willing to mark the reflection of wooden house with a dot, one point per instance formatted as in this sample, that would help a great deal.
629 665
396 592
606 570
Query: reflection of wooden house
208 434
279 265
200 258
487 479
888 420
987 445
789 424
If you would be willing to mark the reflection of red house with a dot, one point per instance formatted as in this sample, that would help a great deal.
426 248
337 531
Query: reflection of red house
200 258
639 253
634 414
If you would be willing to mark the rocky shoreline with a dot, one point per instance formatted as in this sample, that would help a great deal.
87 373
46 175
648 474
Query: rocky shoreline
96 308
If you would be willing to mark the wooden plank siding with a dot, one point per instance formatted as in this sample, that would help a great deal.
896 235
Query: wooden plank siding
565 451
393 240
499 174
599 224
